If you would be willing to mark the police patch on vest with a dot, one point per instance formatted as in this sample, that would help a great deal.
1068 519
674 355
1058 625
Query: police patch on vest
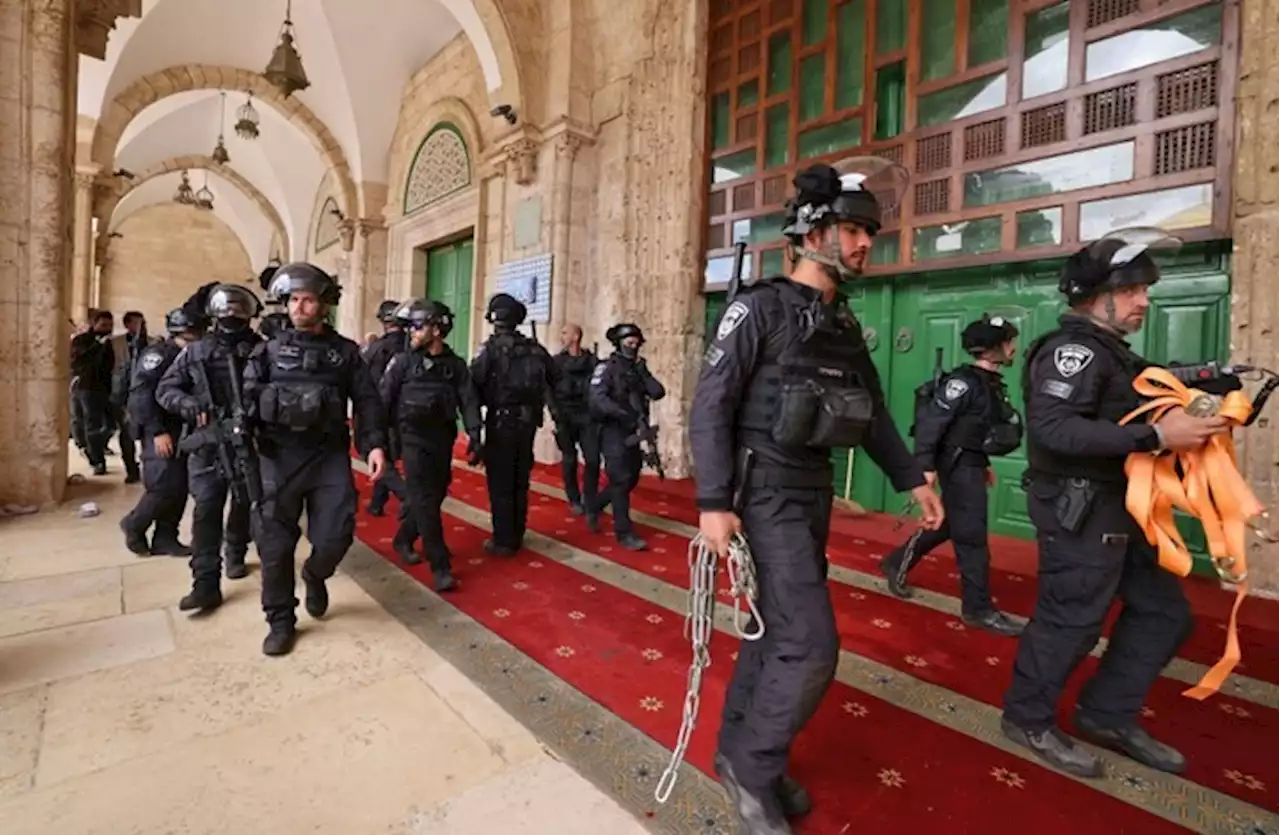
1057 388
1071 359
713 356
151 361
955 389
598 374
735 315
334 356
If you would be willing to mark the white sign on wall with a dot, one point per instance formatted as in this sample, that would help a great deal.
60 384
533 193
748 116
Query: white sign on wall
528 280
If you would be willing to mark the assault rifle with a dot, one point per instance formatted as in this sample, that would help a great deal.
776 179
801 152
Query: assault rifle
227 433
1216 378
735 278
646 436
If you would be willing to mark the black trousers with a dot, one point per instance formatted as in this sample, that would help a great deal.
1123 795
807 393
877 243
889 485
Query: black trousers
428 471
780 679
508 460
964 497
1080 576
574 433
128 443
95 423
164 481
622 465
210 491
297 479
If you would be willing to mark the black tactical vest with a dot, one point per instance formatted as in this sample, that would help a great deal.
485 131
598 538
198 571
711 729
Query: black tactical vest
811 394
428 399
307 383
212 353
575 379
518 375
994 427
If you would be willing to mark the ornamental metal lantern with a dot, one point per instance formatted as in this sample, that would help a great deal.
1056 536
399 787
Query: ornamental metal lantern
284 71
220 154
247 120
184 195
204 197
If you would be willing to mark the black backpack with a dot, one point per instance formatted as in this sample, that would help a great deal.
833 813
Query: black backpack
926 391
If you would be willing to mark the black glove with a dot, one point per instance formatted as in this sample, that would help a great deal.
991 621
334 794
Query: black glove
474 449
190 409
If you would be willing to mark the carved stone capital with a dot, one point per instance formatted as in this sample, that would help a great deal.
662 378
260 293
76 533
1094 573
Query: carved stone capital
366 226
86 180
568 145
522 160
347 234
95 20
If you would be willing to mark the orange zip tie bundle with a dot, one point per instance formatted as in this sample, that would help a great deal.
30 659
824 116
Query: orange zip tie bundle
1211 489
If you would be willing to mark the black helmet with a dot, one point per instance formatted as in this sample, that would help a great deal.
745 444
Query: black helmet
179 321
1117 260
987 333
302 277
264 277
505 309
418 313
387 311
232 301
850 191
273 323
623 330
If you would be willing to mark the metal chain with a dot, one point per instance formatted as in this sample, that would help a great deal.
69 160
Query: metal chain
698 626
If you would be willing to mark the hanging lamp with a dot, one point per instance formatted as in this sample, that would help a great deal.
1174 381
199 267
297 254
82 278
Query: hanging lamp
184 195
204 197
247 120
284 71
220 154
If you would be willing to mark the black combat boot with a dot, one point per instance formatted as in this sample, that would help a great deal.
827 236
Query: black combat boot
632 542
576 508
1135 743
280 639
895 575
444 581
997 622
317 597
757 815
593 520
497 550
1055 748
406 552
233 560
134 539
165 545
375 509
792 797
204 597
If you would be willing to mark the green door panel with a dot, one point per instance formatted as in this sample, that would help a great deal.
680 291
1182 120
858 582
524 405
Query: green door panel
449 281
716 303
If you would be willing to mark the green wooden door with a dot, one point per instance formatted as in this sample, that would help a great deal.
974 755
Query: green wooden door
449 281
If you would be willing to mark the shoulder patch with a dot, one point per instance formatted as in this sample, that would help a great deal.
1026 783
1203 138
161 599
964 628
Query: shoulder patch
391 364
151 360
1071 359
1056 388
713 356
597 374
955 388
734 315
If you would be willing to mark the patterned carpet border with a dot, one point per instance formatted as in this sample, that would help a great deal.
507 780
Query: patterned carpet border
620 760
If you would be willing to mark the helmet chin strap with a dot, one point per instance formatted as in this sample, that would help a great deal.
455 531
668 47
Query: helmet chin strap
835 266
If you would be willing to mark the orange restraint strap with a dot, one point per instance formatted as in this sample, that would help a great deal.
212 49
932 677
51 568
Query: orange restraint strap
1210 489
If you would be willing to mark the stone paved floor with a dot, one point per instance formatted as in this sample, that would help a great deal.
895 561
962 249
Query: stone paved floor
118 714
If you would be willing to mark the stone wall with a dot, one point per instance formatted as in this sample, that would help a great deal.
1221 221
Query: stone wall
166 253
1254 299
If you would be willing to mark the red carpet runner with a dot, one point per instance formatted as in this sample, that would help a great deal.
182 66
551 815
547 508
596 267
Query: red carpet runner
869 765
1220 736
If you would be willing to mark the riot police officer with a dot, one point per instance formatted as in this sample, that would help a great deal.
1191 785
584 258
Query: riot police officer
1078 383
298 386
962 420
574 427
272 323
199 388
621 390
513 377
376 356
92 362
164 470
786 379
424 390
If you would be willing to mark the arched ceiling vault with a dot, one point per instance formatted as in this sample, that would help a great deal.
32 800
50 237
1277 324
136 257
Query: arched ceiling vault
107 202
357 62
230 205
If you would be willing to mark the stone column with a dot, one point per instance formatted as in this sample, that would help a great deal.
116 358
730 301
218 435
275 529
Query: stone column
371 253
567 145
37 158
1253 298
82 276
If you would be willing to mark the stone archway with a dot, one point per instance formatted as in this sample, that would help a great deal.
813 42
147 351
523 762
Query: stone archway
106 202
155 86
485 25
408 140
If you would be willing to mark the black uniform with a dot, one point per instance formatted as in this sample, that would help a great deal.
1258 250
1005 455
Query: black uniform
1078 384
178 394
575 429
120 417
621 390
782 361
512 375
968 418
92 363
377 356
298 386
164 479
424 395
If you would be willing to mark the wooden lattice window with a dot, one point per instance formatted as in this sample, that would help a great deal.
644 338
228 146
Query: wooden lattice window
327 225
1023 123
440 167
